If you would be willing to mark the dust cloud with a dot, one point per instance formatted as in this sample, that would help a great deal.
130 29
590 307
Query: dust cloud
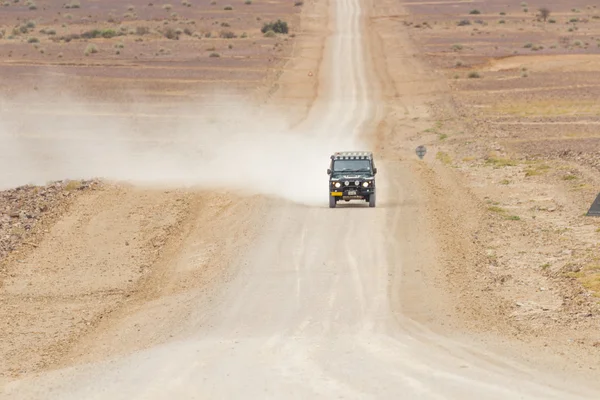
222 144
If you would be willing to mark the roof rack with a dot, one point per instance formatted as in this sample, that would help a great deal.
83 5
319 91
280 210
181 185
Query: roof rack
352 155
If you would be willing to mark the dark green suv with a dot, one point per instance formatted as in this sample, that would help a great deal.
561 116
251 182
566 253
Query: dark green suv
352 177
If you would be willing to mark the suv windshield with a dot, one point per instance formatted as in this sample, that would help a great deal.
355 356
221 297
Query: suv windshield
352 166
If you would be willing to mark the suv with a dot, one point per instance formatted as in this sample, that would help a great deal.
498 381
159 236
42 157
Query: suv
352 177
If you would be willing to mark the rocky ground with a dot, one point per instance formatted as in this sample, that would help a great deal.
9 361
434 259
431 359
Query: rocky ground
27 211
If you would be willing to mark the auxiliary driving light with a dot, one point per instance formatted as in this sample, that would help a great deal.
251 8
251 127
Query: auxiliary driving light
337 184
346 183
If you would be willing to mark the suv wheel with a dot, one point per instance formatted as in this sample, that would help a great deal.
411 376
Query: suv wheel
372 200
332 202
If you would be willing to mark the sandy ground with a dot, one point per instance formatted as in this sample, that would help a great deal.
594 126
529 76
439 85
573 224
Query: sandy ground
520 133
65 113
274 294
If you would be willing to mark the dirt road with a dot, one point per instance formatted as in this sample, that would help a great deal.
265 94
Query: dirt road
312 313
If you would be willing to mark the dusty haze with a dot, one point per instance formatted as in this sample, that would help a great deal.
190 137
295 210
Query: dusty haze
221 143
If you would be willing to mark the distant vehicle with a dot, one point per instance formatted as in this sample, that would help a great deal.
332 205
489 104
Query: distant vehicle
352 177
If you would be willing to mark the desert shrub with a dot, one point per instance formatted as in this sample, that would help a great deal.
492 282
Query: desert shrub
544 13
230 47
244 35
528 45
170 33
187 31
167 7
502 21
91 34
502 13
33 40
96 33
142 30
443 157
186 3
474 75
298 4
214 55
31 5
227 35
552 20
90 49
73 4
270 34
108 33
463 22
228 8
225 25
475 12
248 2
457 47
68 38
278 26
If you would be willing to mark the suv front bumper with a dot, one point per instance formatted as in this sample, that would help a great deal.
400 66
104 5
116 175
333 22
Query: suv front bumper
352 193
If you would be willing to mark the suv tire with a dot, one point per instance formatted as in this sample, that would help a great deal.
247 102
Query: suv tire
332 202
372 199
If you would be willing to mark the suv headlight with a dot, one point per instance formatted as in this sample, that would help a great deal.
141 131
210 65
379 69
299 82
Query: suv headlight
365 184
337 184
